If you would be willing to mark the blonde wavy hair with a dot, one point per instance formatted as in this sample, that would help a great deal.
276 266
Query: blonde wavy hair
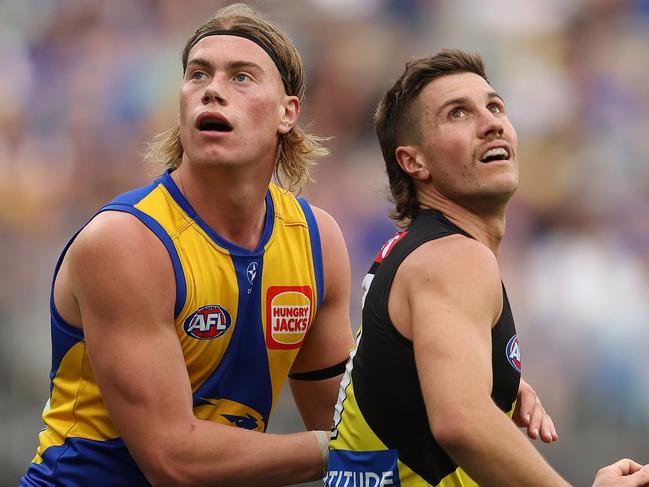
297 148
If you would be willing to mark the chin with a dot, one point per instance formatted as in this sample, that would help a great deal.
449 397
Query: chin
504 192
505 186
208 157
492 198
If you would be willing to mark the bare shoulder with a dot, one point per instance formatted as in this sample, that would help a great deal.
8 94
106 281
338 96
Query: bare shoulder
327 225
109 226
116 252
457 270
335 259
453 256
115 235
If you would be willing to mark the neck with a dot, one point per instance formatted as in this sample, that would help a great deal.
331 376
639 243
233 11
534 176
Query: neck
233 205
484 223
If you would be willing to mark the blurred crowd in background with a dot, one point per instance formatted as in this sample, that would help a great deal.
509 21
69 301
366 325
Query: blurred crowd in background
85 84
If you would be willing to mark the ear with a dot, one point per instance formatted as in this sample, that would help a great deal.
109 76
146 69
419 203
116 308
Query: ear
411 162
289 112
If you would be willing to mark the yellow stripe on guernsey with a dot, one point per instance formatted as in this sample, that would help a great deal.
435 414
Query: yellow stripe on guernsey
75 408
241 317
352 433
355 434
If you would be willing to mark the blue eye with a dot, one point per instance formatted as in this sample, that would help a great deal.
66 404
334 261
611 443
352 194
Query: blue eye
242 77
494 108
198 75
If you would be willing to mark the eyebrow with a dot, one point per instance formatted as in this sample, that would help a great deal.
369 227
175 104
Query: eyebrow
231 65
463 100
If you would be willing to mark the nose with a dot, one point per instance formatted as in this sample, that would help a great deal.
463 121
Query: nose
490 123
214 93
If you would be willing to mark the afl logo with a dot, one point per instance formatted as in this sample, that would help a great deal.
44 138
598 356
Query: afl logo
208 322
514 353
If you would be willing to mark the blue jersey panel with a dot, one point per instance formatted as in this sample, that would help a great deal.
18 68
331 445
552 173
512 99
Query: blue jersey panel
81 462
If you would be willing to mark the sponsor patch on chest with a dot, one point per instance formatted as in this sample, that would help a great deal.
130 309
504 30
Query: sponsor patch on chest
288 314
208 322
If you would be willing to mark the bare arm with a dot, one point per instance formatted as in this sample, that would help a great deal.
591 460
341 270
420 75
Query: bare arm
456 281
122 279
329 339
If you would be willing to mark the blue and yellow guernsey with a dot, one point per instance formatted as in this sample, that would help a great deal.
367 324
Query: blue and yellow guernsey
240 315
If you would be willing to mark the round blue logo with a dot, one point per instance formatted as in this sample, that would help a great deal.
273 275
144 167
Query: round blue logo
513 352
208 322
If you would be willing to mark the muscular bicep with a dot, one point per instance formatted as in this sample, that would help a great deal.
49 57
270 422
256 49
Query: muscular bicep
123 280
454 298
453 357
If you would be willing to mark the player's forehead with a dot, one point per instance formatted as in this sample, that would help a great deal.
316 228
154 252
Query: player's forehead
225 49
457 86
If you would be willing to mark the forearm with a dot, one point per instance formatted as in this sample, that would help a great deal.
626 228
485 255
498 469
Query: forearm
493 452
315 401
220 455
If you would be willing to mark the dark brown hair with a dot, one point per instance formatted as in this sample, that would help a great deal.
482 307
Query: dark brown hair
397 119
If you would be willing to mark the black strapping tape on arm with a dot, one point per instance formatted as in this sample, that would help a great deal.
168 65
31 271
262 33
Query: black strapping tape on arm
321 374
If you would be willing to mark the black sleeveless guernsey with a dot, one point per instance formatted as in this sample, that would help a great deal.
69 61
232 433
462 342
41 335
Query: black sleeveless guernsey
381 430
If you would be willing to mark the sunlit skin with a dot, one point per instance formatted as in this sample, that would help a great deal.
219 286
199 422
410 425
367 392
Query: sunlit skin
234 77
460 118
224 175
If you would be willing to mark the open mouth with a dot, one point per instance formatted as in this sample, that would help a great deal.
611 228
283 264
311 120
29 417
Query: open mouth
495 154
213 124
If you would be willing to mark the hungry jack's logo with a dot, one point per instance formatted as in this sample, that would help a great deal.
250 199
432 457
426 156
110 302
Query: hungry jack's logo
288 314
